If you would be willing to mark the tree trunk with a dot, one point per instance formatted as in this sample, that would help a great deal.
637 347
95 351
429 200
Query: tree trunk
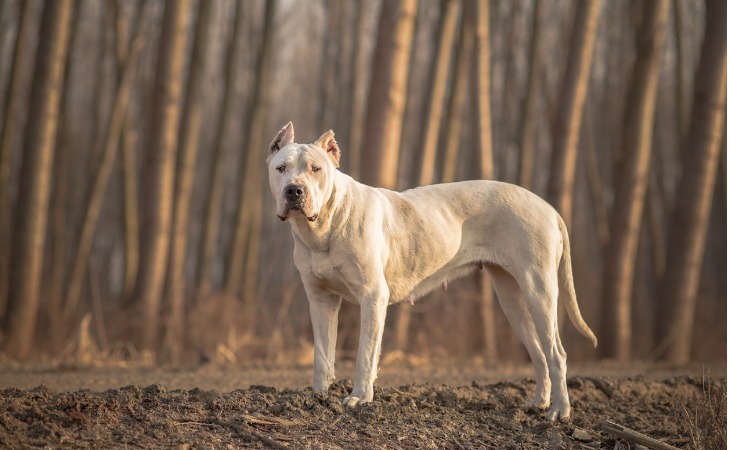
131 209
35 178
161 151
437 88
526 133
688 230
387 94
430 129
570 116
457 100
631 185
101 180
190 136
359 69
214 205
486 164
13 101
245 244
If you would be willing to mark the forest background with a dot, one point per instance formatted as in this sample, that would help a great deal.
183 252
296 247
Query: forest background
136 221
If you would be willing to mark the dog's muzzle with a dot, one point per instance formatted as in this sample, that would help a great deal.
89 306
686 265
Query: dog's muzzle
295 196
294 193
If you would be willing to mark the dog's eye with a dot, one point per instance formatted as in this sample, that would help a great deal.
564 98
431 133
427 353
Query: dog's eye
315 169
281 168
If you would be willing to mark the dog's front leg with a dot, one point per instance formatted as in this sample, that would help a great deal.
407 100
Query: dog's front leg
372 322
324 308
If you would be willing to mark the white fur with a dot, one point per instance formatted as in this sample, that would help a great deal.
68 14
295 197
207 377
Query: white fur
376 247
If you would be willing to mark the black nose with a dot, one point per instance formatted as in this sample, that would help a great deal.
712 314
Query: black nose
293 192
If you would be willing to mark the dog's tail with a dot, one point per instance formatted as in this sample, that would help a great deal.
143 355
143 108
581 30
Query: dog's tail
567 290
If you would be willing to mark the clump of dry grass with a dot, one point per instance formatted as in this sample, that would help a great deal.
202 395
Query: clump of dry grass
707 420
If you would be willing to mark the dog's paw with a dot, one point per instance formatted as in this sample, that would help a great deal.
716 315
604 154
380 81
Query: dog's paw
555 414
351 401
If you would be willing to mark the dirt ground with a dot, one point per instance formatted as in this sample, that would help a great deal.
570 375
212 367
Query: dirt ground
450 405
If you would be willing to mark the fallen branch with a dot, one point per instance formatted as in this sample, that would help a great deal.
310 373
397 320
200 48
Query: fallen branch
634 436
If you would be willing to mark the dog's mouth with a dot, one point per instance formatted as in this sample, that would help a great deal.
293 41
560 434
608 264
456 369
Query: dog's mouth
296 209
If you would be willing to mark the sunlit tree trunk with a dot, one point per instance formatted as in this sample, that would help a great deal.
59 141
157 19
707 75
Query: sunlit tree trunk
438 78
436 89
387 93
128 142
357 110
13 97
486 162
457 99
187 159
35 179
570 115
101 180
526 134
226 122
688 228
243 259
161 153
631 184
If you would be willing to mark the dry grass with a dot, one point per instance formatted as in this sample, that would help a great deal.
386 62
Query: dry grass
707 419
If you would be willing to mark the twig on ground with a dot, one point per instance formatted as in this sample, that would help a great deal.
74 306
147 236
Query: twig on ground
634 436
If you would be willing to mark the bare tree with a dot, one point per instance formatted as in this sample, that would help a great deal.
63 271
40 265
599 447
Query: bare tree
526 134
486 162
387 94
243 259
13 101
162 151
631 185
187 158
570 115
214 204
101 179
35 178
439 76
688 230
457 99
359 71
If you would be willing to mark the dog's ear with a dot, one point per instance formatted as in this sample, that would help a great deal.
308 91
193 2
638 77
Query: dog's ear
329 144
284 137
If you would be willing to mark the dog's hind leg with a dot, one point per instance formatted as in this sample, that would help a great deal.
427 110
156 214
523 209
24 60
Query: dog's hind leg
540 289
513 304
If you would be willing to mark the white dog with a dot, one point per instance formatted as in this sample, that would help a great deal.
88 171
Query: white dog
376 247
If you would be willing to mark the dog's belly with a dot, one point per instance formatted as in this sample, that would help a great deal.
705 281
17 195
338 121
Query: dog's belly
461 265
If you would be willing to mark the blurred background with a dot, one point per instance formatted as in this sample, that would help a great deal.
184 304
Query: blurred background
136 222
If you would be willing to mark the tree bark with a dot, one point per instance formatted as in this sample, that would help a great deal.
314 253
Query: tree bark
437 88
457 100
631 185
13 97
101 180
189 140
570 116
387 93
486 163
161 151
244 253
526 134
688 230
35 179
214 205
359 69
430 129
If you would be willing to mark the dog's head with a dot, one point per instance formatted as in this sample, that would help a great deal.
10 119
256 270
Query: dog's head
301 176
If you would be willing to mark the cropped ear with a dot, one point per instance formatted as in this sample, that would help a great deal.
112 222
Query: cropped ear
284 137
328 143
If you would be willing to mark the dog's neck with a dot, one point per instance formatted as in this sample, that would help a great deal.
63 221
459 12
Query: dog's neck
316 235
